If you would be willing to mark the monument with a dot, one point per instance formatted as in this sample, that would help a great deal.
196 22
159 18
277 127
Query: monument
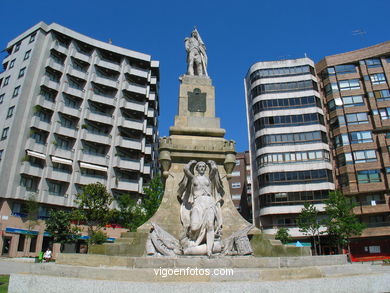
197 215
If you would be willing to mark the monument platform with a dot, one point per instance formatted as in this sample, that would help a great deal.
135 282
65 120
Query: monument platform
150 274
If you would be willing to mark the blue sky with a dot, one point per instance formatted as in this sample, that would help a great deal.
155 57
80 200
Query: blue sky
236 33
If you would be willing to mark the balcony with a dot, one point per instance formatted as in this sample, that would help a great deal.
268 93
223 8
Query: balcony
96 137
59 47
99 117
97 159
59 175
108 100
128 185
54 65
136 106
130 123
85 179
105 80
69 132
63 153
146 169
69 110
74 91
135 88
129 143
32 170
153 80
108 64
46 103
139 72
152 96
148 149
34 146
149 131
125 163
81 56
50 83
37 123
78 73
151 113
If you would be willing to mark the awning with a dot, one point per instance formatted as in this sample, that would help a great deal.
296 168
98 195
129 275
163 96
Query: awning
35 154
61 160
93 167
20 231
85 237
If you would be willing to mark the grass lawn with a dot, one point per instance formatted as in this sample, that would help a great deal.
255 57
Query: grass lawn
4 287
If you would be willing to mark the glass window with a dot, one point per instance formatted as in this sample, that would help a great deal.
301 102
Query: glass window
17 47
349 84
4 134
2 98
378 78
236 185
368 176
12 64
32 37
6 81
346 68
374 62
21 72
55 188
10 112
16 92
382 94
27 55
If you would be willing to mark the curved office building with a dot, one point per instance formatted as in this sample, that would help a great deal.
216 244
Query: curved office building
288 142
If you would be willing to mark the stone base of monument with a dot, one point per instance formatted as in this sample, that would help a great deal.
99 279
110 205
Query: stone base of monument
96 273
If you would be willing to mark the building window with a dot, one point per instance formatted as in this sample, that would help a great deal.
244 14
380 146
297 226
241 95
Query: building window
16 92
2 98
5 133
292 157
1 154
374 62
284 71
283 87
378 78
29 183
6 81
381 95
300 102
291 138
55 188
236 185
27 55
12 64
237 162
358 157
22 239
331 88
350 101
32 37
350 119
236 196
236 173
349 84
384 112
10 112
368 176
297 177
17 47
289 120
21 72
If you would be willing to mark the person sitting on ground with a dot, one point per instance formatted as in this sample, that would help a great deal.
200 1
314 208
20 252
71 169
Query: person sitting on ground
47 255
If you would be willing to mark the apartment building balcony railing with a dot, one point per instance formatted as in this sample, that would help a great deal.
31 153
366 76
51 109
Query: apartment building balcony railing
105 80
130 123
85 179
139 72
152 96
94 158
149 130
132 105
135 88
128 143
54 64
59 47
34 146
148 149
77 92
153 80
108 64
50 83
100 98
151 113
58 175
78 73
81 56
32 170
99 117
45 103
38 123
127 184
96 137
75 112
65 131
23 191
127 163
63 153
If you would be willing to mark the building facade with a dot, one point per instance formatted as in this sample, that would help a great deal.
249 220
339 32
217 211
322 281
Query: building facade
356 95
73 111
240 185
289 151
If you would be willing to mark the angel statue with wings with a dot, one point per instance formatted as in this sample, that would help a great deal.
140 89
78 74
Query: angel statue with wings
201 201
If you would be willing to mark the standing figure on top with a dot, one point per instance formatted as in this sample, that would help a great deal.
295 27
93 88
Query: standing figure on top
196 55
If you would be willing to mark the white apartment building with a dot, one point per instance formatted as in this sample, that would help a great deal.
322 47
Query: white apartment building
289 149
73 111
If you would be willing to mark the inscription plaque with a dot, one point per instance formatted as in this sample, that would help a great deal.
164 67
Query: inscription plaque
196 101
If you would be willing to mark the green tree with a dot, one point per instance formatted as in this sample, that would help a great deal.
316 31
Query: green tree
341 223
94 204
32 207
283 235
133 213
59 225
309 225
